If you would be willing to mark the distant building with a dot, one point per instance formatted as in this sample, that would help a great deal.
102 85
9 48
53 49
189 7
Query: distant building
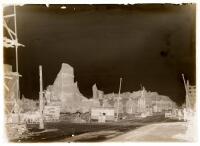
102 114
139 102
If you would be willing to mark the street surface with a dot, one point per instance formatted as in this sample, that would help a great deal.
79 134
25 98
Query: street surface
159 132
123 130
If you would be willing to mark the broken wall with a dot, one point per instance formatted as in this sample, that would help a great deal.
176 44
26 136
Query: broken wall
66 91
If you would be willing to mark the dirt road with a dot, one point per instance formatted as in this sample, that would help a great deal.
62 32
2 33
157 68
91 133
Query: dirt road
160 132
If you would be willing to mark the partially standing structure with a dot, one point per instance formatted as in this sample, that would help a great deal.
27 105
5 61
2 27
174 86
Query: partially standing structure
64 92
10 40
11 79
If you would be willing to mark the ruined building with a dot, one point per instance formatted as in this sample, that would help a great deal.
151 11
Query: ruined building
64 92
138 102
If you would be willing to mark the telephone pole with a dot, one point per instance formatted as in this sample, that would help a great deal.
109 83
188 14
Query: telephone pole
41 124
187 100
118 98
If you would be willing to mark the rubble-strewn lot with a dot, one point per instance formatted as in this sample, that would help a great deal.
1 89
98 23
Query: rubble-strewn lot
59 131
85 132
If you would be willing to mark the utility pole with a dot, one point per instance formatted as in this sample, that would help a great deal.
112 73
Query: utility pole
41 124
142 100
16 57
118 98
16 39
156 105
16 51
187 101
131 106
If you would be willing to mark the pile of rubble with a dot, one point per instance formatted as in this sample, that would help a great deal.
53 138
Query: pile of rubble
75 117
16 131
29 104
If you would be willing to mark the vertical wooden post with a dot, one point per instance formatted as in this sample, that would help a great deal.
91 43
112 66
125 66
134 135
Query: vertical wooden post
131 106
188 104
16 61
118 99
41 124
187 101
142 107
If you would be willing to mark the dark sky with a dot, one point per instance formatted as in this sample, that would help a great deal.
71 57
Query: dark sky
145 44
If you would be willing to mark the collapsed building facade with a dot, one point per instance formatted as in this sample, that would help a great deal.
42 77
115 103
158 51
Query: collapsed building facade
65 93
